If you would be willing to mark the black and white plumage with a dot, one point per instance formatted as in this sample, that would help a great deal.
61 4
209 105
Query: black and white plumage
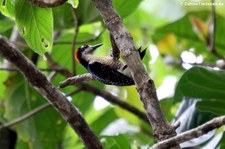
105 69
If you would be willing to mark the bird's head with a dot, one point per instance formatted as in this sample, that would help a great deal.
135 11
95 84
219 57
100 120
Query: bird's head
84 50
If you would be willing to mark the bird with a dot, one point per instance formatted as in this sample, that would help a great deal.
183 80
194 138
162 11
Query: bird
105 69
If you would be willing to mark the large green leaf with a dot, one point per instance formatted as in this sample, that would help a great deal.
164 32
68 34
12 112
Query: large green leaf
203 83
214 106
35 25
43 130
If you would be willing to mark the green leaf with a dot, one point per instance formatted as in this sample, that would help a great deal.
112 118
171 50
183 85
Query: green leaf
215 106
64 17
203 83
7 8
125 7
35 25
6 25
87 12
116 142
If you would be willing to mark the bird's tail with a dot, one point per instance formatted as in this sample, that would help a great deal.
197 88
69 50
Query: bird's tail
142 53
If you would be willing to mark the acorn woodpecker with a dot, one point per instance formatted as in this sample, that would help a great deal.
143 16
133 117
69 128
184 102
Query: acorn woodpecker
105 69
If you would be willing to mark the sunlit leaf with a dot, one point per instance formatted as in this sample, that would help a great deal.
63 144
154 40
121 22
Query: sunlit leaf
7 8
35 25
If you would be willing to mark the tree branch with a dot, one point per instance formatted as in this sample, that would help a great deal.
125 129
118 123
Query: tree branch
75 80
14 69
212 34
68 111
115 50
145 85
191 134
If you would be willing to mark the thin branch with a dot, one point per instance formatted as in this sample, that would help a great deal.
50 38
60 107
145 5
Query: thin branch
42 69
74 40
191 134
68 111
144 84
47 3
25 116
212 34
75 80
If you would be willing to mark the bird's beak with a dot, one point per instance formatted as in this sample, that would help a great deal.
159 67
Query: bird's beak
95 46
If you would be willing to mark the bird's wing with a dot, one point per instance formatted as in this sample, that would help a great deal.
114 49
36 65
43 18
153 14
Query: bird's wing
108 75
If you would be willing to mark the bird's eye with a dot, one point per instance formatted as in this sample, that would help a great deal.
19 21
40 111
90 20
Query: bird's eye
84 46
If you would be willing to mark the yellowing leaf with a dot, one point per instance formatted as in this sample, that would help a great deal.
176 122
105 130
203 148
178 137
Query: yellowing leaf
168 45
200 27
